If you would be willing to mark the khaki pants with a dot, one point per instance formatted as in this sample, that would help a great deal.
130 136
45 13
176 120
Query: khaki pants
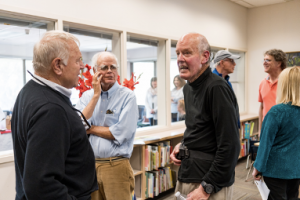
225 193
115 180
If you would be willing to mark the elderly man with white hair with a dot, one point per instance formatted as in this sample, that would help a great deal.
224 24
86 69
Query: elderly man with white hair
112 110
53 157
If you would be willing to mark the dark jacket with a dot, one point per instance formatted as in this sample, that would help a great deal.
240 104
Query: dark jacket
53 157
211 116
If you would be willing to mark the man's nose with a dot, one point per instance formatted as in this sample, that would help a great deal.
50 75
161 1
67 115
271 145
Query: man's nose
180 57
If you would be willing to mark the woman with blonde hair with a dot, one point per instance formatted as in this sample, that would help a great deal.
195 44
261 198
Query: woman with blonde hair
278 156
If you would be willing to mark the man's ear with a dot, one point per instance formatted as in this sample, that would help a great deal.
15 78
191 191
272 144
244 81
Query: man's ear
206 56
56 66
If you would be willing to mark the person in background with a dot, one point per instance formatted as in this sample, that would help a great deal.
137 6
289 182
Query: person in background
113 113
52 154
278 156
176 94
181 109
151 102
275 61
224 64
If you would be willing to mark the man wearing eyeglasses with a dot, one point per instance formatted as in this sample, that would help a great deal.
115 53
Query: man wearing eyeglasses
113 112
224 64
274 62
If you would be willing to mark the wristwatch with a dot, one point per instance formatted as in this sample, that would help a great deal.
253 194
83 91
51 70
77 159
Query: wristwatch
208 188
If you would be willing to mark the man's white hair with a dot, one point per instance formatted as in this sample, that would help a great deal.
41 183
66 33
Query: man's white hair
97 55
54 44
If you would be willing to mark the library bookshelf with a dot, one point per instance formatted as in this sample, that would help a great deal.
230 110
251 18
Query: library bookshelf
251 120
137 159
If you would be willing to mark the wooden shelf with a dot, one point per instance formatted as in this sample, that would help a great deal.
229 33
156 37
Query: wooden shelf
137 172
137 159
248 117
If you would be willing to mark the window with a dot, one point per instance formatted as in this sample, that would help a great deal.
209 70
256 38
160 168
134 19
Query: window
142 60
237 79
91 41
176 88
17 39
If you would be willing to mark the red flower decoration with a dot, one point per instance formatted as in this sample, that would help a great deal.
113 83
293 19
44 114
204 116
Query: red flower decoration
85 83
131 82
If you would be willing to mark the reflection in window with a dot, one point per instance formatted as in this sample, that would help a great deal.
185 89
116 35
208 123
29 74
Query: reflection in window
142 57
91 42
176 88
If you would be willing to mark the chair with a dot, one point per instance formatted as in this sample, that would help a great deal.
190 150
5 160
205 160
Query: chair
252 151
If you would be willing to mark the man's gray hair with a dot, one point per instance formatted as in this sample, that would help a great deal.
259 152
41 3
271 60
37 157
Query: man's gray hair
217 64
54 44
203 45
97 55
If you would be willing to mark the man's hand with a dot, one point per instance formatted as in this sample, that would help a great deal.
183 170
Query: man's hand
198 194
173 154
90 130
256 174
96 83
152 111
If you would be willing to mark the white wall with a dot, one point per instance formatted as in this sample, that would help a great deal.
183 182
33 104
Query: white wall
275 26
7 183
223 22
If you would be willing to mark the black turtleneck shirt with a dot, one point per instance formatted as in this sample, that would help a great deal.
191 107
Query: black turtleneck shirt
211 116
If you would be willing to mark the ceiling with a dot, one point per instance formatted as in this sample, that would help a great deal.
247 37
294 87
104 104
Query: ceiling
258 3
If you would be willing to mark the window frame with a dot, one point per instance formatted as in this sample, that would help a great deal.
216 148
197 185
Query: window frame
163 74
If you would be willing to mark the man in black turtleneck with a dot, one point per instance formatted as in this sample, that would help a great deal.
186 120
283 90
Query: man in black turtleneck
211 135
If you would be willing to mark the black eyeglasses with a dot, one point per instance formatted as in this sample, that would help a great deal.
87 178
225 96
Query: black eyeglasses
230 60
105 68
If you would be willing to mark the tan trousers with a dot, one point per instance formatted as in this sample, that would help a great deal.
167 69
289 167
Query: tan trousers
185 188
115 180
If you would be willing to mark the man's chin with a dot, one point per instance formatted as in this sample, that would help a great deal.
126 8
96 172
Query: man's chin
183 75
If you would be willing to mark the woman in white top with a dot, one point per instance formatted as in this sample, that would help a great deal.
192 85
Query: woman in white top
151 102
176 95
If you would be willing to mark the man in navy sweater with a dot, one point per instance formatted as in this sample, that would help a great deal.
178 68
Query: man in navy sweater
53 157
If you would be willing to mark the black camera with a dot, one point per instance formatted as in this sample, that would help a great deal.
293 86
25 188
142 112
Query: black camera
183 152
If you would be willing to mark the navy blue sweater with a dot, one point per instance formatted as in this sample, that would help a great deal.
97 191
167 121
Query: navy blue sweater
53 157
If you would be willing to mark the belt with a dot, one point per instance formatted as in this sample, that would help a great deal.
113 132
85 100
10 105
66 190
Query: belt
111 159
200 155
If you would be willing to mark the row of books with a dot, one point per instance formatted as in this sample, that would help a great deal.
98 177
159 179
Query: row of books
157 155
245 146
159 181
247 129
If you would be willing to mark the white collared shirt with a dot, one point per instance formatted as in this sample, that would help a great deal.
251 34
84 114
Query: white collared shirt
53 85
